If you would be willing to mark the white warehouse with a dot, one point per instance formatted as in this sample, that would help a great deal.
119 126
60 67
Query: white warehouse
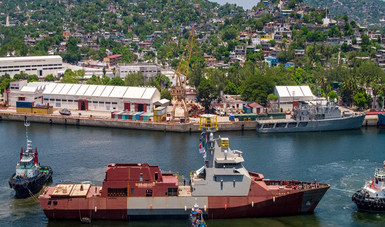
39 65
89 97
289 96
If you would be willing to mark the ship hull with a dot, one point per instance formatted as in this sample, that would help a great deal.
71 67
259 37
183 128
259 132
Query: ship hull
25 188
348 123
381 120
179 207
368 204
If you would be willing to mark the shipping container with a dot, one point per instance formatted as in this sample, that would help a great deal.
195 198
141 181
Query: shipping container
23 110
24 104
42 110
141 116
113 113
147 116
247 109
125 115
137 115
159 111
243 117
160 118
117 113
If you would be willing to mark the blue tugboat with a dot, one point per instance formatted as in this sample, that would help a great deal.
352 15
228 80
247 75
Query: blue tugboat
196 217
30 177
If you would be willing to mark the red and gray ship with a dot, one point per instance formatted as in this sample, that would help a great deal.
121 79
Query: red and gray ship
223 188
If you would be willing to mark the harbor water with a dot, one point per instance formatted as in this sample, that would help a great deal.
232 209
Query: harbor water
344 159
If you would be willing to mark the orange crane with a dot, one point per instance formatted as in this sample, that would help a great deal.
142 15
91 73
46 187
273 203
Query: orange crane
178 91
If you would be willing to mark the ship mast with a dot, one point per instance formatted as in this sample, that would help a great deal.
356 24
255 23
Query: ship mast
29 142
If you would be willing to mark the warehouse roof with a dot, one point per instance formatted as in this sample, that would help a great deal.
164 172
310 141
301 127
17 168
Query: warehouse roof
296 91
30 58
99 91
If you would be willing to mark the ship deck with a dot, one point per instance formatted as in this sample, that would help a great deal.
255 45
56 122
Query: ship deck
72 190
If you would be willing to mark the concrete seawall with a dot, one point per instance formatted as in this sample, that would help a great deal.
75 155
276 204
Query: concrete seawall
151 126
116 123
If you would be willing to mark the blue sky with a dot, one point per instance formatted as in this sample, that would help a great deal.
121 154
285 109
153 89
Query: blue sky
246 4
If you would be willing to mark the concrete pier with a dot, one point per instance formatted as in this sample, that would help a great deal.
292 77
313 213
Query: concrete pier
370 120
128 124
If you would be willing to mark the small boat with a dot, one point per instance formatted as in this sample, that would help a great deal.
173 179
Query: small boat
30 177
65 112
372 196
196 217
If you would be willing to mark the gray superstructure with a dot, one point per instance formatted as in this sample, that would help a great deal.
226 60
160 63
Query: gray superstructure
314 117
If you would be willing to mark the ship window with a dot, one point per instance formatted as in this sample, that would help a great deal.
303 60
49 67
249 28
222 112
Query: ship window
132 191
234 183
141 177
148 193
172 191
156 176
49 202
117 192
55 203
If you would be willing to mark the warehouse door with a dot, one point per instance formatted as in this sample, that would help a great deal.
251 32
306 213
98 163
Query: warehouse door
83 104
127 106
141 107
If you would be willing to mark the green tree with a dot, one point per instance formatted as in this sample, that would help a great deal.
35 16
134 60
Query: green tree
162 82
69 77
95 80
332 95
49 77
205 93
117 81
360 100
134 79
272 97
165 94
32 78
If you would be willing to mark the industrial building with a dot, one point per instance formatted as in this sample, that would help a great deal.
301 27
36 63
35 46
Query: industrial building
289 96
148 70
38 65
87 97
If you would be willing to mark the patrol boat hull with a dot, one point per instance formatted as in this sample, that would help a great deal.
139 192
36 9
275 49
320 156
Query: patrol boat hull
222 188
335 124
266 198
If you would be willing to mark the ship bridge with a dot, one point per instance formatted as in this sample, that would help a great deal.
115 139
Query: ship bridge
223 173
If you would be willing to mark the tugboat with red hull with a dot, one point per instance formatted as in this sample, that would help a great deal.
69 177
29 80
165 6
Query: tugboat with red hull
30 177
222 188
372 197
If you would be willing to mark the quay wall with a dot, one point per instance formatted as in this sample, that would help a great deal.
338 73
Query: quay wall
142 125
117 123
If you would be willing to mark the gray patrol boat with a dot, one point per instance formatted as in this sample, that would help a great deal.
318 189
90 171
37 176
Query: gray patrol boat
313 117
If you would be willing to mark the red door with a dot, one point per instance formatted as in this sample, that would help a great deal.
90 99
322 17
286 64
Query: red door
82 104
127 106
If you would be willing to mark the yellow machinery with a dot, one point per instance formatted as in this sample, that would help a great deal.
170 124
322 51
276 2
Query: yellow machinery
178 91
208 122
